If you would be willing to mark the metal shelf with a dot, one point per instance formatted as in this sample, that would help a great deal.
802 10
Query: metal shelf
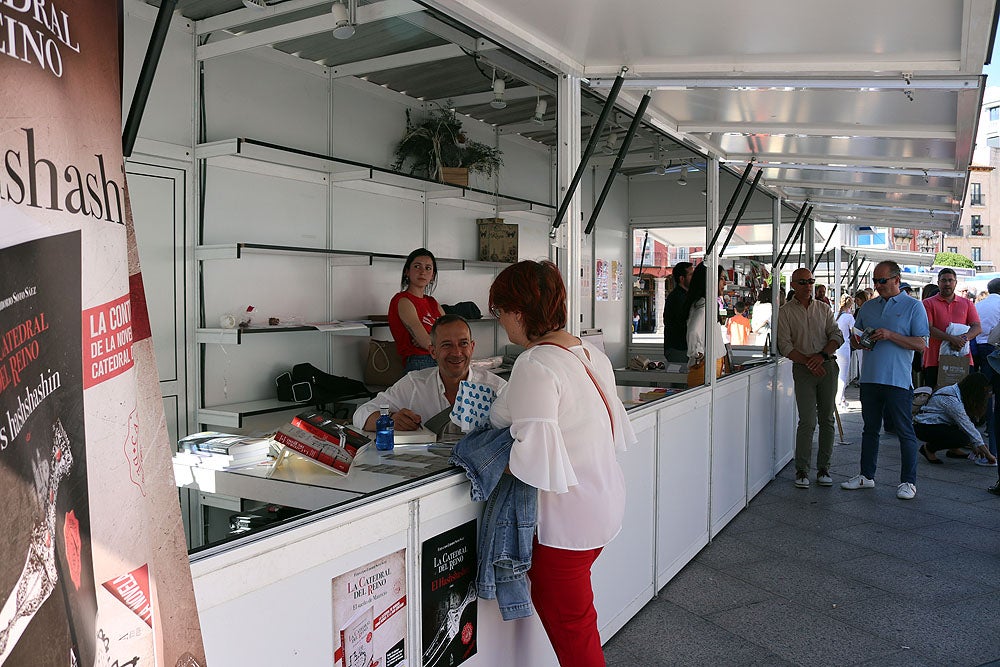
258 156
239 250
236 336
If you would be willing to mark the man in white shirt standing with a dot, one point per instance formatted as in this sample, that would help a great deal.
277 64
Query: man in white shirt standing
422 394
989 317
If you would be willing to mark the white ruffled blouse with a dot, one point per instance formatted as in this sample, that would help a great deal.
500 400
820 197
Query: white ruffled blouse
563 443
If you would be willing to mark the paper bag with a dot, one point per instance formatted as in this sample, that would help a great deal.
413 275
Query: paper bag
951 369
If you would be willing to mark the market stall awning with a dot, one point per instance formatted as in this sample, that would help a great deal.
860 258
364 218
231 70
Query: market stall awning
866 110
901 257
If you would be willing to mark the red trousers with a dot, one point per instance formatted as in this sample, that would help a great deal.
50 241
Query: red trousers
564 599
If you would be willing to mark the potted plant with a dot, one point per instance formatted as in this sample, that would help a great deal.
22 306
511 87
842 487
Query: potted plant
435 146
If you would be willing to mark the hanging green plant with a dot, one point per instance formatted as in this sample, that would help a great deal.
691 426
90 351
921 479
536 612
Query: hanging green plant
436 141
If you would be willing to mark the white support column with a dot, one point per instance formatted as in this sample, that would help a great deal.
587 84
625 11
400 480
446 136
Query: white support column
775 276
570 236
712 267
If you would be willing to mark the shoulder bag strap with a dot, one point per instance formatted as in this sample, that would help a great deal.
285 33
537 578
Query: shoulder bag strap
592 379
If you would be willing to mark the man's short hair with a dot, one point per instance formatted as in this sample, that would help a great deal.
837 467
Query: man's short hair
740 306
947 270
891 265
681 269
450 318
993 286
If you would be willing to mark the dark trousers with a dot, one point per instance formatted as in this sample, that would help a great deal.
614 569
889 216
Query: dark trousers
896 402
983 350
941 436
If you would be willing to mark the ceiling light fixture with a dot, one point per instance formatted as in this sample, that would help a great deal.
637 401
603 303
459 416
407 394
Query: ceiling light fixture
498 87
343 29
540 107
683 178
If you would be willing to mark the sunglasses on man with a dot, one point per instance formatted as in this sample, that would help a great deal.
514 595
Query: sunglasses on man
805 281
883 281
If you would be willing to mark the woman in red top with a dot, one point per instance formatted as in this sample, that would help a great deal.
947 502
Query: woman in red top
413 311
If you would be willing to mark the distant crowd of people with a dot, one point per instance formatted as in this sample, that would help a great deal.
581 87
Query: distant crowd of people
889 339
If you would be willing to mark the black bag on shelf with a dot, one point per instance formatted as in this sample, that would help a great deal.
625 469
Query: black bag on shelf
467 309
307 384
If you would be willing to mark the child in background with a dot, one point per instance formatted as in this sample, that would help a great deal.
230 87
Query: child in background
738 326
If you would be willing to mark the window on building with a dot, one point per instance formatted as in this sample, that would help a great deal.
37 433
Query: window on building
976 226
977 254
953 248
993 142
976 194
995 113
683 255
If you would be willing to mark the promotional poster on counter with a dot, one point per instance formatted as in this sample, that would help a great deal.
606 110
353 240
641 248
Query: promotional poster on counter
448 596
369 614
94 567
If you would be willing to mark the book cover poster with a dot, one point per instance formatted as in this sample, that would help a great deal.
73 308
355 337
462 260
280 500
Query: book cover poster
448 594
94 567
369 614
46 582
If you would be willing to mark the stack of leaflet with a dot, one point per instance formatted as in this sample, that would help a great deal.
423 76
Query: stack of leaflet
221 451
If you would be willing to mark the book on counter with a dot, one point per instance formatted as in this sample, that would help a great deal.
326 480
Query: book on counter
212 449
321 440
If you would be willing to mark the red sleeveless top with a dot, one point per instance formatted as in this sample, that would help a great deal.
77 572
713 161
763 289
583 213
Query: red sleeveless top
428 311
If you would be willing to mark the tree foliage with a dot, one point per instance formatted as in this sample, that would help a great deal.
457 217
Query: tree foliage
953 259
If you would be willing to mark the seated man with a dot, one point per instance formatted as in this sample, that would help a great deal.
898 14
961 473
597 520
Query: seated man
422 394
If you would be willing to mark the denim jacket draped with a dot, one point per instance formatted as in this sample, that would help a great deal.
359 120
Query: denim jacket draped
507 528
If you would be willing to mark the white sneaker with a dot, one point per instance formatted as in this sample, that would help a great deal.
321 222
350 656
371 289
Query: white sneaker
802 482
983 461
823 478
906 491
858 482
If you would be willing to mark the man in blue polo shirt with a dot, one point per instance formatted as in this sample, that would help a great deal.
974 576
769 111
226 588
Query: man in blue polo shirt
897 326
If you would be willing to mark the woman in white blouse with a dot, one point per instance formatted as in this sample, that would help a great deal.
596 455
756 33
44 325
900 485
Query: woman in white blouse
567 422
845 321
694 304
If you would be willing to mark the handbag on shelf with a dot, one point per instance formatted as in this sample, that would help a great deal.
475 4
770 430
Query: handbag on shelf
383 365
307 384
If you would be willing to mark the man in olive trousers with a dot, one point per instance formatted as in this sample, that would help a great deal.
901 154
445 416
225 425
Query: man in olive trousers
809 336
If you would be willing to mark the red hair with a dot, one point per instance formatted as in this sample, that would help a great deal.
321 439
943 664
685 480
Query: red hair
534 289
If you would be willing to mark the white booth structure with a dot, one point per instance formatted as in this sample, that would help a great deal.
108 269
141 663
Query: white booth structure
262 183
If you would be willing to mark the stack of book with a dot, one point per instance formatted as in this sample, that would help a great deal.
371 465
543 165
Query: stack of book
321 440
221 451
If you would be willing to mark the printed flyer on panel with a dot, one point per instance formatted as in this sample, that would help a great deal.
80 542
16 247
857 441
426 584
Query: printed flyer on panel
369 614
448 596
93 565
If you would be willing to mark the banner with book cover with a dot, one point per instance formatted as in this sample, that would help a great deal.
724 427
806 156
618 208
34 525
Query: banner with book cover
448 596
93 563
369 614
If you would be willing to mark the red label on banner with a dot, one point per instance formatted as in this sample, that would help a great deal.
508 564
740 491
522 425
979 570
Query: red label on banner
133 591
107 341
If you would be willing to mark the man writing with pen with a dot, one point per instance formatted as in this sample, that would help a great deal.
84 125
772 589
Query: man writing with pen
422 394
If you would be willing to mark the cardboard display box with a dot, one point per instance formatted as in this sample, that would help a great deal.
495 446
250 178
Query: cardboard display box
497 241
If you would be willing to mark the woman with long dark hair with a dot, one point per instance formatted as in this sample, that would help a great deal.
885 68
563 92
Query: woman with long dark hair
413 311
567 423
695 309
950 418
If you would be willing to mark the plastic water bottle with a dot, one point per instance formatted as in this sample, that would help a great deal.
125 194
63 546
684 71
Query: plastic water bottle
385 429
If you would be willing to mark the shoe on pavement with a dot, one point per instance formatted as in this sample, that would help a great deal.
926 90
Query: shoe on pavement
823 478
858 482
995 489
906 491
983 461
801 480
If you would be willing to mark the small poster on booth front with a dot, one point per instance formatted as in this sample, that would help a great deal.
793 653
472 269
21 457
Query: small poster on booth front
369 614
448 593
